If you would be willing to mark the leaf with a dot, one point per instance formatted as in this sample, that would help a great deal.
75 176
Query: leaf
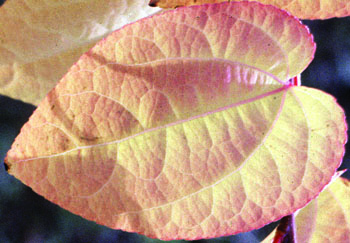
326 218
40 40
303 9
251 33
150 132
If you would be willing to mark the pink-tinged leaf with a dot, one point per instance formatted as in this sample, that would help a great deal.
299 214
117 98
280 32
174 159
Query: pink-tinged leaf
303 9
179 148
41 40
258 35
326 218
150 132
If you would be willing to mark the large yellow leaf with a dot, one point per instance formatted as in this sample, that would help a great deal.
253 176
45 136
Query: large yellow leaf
303 9
326 218
169 127
40 40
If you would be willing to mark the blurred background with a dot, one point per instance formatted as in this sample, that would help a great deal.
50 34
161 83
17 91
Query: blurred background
27 217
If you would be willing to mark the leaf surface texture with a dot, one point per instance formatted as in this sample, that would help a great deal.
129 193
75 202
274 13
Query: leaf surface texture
164 130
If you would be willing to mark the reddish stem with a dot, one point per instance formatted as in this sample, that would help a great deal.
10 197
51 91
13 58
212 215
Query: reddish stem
285 230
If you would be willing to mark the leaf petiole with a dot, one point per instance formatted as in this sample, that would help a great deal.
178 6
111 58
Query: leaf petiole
285 230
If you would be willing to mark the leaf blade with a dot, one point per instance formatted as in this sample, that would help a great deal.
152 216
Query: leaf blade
146 163
36 36
260 43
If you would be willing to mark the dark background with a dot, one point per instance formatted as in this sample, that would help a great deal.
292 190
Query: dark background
27 217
